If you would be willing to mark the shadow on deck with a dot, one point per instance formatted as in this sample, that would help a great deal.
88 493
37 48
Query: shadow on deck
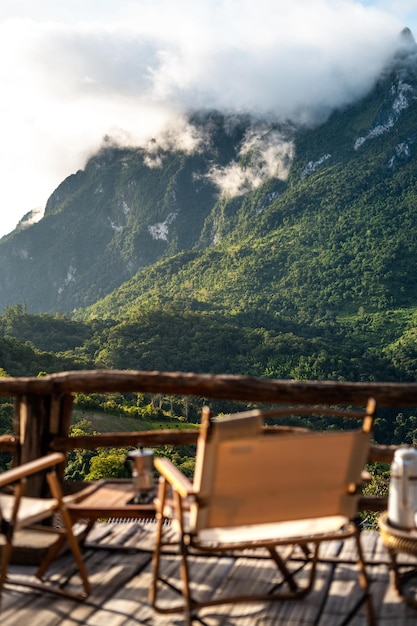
118 557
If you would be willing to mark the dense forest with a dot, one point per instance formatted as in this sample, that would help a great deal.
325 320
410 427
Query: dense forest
359 348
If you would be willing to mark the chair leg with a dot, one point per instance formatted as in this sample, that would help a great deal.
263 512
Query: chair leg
7 530
56 548
67 521
5 559
364 580
185 579
185 576
50 556
156 559
288 577
185 605
76 551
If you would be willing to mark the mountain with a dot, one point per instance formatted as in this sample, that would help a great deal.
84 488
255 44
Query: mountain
233 245
337 234
127 209
228 176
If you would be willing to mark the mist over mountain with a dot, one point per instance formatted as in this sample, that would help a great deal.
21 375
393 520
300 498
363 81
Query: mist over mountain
129 68
167 214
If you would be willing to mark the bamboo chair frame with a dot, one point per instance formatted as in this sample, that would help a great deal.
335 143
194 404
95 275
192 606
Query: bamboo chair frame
226 501
27 512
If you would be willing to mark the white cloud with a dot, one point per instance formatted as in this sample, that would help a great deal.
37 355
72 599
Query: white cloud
266 154
73 72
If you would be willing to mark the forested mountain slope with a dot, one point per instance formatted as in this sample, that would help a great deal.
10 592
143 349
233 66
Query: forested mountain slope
229 209
128 208
250 248
338 236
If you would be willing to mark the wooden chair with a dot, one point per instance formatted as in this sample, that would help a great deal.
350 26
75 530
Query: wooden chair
19 512
257 490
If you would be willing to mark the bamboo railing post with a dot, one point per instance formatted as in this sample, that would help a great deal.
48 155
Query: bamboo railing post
60 421
33 434
41 419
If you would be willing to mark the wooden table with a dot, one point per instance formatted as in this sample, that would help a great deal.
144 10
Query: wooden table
398 541
108 499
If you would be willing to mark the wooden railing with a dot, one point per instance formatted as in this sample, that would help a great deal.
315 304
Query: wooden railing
43 406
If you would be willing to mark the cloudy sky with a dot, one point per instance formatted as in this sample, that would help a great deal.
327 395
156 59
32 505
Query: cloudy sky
73 71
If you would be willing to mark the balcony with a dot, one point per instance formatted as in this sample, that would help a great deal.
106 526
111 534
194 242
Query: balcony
118 554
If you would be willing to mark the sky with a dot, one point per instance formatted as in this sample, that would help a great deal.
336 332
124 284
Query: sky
75 71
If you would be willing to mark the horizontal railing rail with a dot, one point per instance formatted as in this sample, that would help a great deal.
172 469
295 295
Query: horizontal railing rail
43 406
221 386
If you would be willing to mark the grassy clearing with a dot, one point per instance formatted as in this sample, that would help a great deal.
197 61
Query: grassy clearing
382 327
111 423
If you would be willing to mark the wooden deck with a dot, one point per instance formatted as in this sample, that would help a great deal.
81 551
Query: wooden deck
118 557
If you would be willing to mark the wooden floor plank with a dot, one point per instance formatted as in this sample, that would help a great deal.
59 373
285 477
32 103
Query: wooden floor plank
120 573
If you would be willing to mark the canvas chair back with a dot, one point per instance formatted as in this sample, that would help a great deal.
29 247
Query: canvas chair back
244 477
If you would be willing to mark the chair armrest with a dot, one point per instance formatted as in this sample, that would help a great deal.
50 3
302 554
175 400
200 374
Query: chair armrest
179 482
31 467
